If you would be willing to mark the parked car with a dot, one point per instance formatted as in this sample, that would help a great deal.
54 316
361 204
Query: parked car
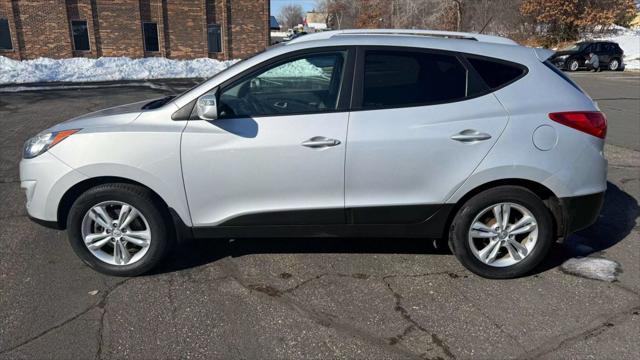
574 57
295 34
466 138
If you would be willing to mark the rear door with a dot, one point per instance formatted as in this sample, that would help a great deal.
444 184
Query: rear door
602 51
421 124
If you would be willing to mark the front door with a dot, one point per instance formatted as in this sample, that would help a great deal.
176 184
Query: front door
276 154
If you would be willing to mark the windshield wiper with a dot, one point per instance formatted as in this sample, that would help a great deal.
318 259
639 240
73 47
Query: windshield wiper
157 103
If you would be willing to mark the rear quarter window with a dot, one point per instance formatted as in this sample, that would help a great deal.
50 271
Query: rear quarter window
497 74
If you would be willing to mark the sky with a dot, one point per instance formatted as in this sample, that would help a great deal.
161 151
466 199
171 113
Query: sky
276 5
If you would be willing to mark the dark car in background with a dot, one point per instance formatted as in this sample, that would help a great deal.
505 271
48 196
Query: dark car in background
575 57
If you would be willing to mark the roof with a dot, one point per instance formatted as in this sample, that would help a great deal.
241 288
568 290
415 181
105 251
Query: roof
595 41
406 32
457 42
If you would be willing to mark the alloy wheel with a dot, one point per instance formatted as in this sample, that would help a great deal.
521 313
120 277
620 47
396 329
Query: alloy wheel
116 233
503 234
613 65
574 65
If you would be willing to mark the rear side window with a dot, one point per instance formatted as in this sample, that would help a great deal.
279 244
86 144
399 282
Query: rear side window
399 78
496 74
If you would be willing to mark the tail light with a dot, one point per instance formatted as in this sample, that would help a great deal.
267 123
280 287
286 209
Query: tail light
591 122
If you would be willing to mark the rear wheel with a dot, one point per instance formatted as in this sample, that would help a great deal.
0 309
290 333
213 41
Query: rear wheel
503 232
118 229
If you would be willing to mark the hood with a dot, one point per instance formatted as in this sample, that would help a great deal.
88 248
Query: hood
543 54
565 52
114 116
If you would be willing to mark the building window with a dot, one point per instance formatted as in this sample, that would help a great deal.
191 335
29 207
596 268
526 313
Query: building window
150 32
5 36
214 38
80 35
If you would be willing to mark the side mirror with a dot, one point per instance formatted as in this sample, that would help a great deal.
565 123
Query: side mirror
207 108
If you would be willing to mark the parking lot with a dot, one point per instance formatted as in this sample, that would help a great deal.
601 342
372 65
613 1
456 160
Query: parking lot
315 298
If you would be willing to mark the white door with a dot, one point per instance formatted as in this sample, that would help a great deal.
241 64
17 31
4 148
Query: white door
276 154
418 135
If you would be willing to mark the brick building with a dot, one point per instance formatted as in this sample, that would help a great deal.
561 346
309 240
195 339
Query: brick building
179 29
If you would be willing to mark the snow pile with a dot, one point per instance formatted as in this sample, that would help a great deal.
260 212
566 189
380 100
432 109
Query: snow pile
295 69
106 69
629 41
592 268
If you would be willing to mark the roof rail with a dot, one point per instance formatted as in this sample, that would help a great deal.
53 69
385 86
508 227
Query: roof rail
433 33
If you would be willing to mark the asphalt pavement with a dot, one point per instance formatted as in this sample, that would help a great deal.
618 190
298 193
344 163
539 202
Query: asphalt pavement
315 298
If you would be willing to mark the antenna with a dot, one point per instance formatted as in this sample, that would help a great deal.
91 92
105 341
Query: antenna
485 25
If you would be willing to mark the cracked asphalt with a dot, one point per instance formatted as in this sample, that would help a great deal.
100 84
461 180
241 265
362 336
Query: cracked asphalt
315 298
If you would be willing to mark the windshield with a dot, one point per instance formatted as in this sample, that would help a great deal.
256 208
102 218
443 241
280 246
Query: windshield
574 47
198 84
227 69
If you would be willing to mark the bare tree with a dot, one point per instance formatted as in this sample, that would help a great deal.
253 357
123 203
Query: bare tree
501 17
290 16
459 5
322 6
416 14
341 14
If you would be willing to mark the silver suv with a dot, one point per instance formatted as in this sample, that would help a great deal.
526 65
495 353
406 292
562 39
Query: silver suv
467 138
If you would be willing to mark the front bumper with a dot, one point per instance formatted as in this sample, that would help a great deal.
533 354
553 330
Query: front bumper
559 63
580 212
45 180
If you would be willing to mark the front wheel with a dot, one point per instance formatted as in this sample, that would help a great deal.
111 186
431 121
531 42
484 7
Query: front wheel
501 233
118 229
573 65
614 65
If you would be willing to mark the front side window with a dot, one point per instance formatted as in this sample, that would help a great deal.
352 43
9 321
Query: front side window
80 35
150 32
5 36
308 84
402 78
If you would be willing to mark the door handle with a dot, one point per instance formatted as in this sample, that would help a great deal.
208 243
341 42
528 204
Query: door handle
320 142
470 135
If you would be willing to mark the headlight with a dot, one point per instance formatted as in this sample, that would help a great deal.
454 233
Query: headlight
45 141
563 57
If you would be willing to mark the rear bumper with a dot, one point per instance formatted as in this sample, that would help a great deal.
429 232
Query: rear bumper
581 211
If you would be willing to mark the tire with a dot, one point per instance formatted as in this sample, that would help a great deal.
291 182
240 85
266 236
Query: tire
573 65
468 249
614 65
150 222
